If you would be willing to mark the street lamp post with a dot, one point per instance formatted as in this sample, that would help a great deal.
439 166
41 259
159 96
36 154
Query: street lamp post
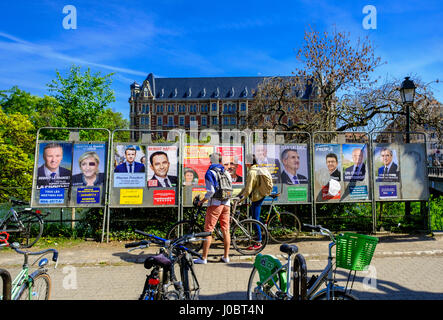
407 93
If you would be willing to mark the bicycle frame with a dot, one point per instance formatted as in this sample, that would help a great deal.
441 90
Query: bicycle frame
18 282
12 212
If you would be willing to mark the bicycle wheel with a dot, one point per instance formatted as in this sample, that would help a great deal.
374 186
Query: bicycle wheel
245 236
40 288
284 227
27 231
335 294
263 291
186 227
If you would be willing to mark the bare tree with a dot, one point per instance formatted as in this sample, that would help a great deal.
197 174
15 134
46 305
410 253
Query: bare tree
336 75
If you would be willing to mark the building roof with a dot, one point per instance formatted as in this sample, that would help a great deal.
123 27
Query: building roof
205 88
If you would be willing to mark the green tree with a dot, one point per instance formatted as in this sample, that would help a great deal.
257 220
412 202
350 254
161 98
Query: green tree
16 155
82 96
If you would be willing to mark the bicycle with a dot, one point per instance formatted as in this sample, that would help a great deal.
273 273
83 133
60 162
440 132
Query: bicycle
163 275
34 286
27 224
270 280
244 233
283 227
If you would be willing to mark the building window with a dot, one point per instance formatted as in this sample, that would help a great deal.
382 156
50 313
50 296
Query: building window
243 107
193 108
159 121
182 121
317 107
170 121
226 121
214 107
214 121
192 118
204 121
233 120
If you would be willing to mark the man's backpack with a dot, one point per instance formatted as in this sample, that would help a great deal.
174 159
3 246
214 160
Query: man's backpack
224 190
265 181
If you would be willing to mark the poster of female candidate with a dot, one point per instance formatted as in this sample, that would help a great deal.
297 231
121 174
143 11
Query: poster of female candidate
88 173
327 172
196 157
89 163
162 166
129 166
54 165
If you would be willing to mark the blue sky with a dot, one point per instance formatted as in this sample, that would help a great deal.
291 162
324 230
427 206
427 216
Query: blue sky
177 38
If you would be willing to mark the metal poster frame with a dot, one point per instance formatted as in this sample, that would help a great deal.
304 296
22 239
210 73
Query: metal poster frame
348 186
278 138
74 137
401 138
236 139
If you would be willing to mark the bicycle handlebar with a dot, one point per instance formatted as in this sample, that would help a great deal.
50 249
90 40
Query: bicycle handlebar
16 246
167 243
321 230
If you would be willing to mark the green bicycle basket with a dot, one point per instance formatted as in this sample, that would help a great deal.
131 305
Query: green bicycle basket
355 251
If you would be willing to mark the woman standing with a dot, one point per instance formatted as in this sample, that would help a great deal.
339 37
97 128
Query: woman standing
258 186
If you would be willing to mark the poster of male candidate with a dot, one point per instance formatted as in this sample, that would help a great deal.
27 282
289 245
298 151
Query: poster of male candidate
354 162
54 165
267 156
88 173
162 165
129 166
327 171
233 161
386 165
294 161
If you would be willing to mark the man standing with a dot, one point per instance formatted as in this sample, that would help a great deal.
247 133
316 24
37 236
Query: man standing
231 164
159 163
130 165
218 210
291 163
389 170
50 174
357 171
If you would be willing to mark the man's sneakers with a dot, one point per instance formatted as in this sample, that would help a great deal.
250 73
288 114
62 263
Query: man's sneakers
205 261
255 246
200 261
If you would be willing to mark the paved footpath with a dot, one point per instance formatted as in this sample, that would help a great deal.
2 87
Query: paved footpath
403 267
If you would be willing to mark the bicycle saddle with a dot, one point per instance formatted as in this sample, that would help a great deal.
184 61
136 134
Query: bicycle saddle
289 249
274 195
158 260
